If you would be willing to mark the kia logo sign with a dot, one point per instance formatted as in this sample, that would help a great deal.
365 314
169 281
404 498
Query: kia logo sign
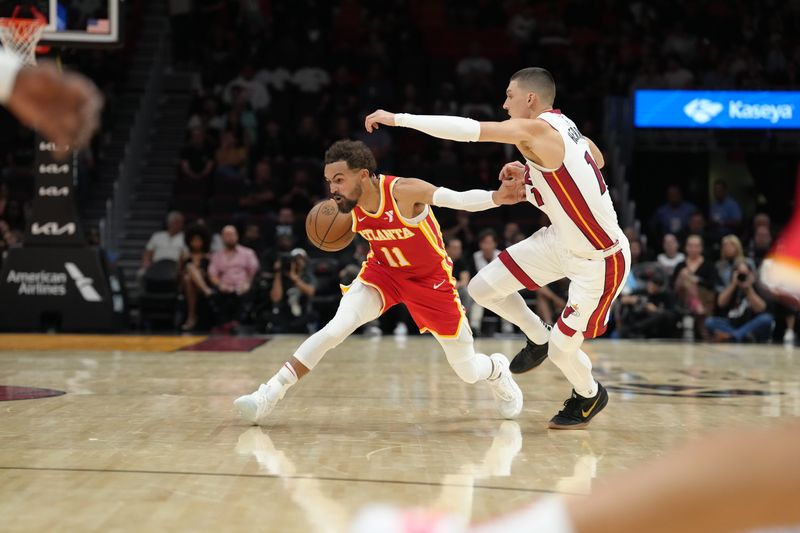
53 229
53 168
53 191
717 109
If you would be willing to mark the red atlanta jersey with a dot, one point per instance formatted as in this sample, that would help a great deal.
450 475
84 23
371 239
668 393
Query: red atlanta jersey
414 247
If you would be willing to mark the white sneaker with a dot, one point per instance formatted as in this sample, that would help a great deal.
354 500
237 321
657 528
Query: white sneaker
254 407
507 393
788 337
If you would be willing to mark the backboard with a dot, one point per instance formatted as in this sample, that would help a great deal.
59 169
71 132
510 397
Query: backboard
73 22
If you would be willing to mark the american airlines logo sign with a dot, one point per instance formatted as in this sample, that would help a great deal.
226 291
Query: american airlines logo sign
54 168
44 283
53 229
717 109
53 191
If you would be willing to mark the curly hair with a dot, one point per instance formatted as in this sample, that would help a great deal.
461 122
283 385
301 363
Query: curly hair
198 230
356 154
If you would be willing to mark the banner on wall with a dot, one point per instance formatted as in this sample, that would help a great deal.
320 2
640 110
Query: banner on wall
717 109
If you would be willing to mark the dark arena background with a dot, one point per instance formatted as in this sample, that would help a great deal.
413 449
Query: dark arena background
126 332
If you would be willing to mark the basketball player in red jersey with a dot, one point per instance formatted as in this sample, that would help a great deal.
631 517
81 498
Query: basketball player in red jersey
584 242
407 264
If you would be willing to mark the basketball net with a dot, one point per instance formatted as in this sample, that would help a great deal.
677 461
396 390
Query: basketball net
21 35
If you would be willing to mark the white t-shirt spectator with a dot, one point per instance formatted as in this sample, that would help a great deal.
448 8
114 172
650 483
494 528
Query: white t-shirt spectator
166 246
276 79
669 263
311 79
479 261
257 94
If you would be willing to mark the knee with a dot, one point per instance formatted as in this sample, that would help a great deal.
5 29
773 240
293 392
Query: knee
480 290
563 344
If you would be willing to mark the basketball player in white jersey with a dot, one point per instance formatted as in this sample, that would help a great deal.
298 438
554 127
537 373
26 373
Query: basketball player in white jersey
584 242
63 107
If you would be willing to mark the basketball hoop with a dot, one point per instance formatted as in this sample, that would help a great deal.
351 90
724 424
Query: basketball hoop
22 35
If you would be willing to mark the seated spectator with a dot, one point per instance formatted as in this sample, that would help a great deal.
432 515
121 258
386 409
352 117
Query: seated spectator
760 245
725 212
511 233
673 216
231 157
461 270
252 89
742 313
231 272
298 198
731 252
165 244
649 313
461 230
698 226
259 197
693 281
253 239
671 256
197 159
208 118
488 252
292 289
193 272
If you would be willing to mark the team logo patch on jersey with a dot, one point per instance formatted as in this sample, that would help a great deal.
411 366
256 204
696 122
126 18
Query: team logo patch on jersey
571 310
390 216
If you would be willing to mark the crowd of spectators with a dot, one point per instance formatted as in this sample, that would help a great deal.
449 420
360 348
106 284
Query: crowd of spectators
278 82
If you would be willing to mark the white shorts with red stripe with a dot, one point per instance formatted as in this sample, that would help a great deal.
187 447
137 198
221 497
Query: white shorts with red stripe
594 283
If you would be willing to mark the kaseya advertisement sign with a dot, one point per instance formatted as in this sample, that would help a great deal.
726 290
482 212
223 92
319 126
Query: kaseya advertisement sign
717 109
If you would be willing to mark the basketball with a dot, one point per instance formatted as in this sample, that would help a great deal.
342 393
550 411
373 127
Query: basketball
329 229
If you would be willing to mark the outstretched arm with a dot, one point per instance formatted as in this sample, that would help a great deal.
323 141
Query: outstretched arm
421 192
512 131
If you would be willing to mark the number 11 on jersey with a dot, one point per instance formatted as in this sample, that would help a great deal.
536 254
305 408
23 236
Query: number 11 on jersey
399 260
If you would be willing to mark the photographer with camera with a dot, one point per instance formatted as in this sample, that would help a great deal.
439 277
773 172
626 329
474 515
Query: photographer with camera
292 289
742 313
649 313
231 272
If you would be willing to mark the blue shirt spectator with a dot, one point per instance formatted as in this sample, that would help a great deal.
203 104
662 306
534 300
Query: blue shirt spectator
673 216
725 211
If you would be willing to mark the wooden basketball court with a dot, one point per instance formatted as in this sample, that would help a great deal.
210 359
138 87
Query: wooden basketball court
148 440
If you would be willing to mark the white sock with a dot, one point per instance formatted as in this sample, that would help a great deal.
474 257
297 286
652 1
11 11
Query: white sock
285 378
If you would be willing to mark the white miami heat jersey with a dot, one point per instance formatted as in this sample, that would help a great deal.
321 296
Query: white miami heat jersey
574 196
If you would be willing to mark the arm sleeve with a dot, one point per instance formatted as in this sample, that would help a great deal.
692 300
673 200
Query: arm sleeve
474 200
441 126
10 64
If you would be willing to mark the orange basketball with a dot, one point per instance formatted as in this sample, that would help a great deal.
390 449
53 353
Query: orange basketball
329 229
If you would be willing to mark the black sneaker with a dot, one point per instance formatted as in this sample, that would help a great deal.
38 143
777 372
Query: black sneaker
531 356
578 410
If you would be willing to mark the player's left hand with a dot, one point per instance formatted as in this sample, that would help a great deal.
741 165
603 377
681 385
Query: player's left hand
373 120
511 191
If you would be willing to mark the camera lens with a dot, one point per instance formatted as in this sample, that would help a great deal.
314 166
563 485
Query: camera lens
741 276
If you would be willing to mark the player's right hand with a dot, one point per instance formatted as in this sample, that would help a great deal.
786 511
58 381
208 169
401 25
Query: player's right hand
512 171
373 120
63 108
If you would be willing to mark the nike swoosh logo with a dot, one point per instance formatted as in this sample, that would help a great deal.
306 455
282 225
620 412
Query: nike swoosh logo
362 219
587 413
436 286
